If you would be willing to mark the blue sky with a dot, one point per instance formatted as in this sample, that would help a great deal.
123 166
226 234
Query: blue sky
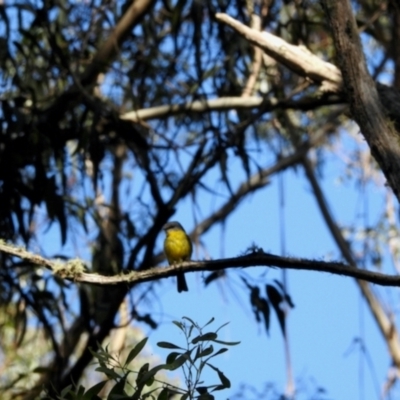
334 343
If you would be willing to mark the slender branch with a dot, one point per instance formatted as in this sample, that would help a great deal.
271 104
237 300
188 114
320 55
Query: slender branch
296 58
222 103
255 23
229 103
74 272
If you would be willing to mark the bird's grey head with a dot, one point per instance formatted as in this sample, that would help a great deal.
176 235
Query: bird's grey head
172 225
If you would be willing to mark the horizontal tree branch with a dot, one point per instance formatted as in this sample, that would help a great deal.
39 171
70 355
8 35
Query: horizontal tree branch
231 103
74 269
223 103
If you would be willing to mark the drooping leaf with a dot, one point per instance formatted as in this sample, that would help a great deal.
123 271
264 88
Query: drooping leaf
94 390
136 350
203 353
118 391
172 357
275 298
225 382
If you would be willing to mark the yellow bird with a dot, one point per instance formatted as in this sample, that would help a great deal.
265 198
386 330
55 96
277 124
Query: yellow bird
177 248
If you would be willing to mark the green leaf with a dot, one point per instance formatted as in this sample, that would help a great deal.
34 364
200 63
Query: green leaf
286 296
143 378
225 382
80 392
144 369
206 352
206 336
204 395
202 389
164 394
41 370
223 326
66 390
118 389
209 322
179 325
213 276
190 320
168 345
190 331
177 363
101 354
94 390
220 351
172 357
275 297
226 343
135 351
109 372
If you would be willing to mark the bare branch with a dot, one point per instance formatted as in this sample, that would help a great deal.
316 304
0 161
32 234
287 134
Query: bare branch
259 258
223 103
296 58
257 59
229 103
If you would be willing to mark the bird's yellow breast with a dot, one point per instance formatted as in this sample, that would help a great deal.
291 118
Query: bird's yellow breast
177 246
